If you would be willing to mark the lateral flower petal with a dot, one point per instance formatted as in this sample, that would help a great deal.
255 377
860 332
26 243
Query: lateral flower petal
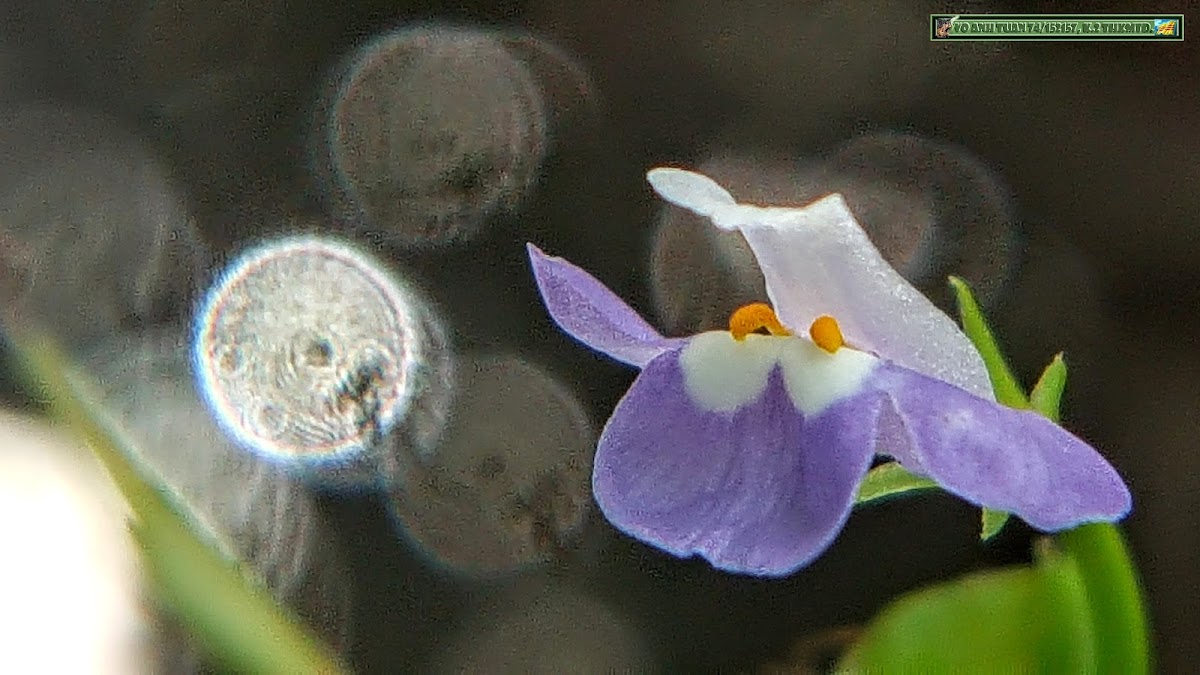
995 456
817 260
759 489
594 315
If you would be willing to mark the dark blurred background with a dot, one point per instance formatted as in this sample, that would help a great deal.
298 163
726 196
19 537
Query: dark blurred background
1094 142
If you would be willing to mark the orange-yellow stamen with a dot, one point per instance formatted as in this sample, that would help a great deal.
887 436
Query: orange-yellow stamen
751 318
826 334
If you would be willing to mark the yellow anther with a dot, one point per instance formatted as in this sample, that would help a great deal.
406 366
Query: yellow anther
750 318
826 334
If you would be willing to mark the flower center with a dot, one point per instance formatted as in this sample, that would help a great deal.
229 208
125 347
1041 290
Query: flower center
754 317
757 316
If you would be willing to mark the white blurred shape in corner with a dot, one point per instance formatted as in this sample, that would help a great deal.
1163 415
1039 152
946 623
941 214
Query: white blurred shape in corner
69 579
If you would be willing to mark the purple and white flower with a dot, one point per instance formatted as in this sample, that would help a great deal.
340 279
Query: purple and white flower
748 449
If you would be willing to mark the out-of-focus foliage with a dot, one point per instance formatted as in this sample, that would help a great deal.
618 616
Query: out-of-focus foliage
1023 619
238 622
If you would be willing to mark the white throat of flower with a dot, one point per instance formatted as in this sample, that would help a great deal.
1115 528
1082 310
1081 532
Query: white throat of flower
725 370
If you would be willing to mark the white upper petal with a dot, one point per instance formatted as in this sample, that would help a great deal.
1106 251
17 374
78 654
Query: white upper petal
818 260
693 191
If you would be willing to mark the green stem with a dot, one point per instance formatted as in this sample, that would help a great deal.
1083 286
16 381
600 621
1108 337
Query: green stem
1115 596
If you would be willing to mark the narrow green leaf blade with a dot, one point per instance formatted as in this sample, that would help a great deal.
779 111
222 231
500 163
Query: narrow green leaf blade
1008 390
1046 397
239 624
993 522
245 628
889 480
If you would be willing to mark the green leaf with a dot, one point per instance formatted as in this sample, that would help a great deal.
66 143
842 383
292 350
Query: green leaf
888 480
993 522
1077 609
1008 390
939 629
1046 396
1023 619
237 620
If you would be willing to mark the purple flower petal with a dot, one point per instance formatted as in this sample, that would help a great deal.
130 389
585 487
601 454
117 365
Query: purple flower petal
758 490
995 456
594 315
